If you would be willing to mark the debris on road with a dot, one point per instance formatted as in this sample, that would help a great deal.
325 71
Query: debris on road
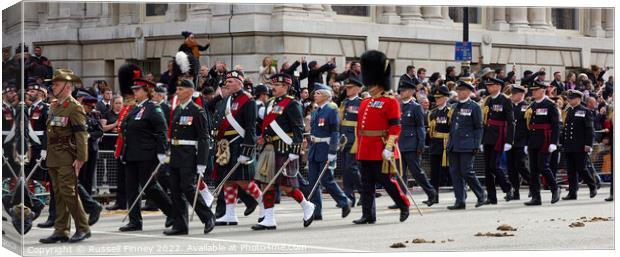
492 234
576 224
422 241
398 245
506 227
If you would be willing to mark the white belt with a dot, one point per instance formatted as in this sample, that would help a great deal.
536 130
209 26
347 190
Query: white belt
231 119
184 142
280 132
39 133
319 139
6 133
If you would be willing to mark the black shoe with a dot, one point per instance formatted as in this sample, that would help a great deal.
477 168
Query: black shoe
482 201
54 239
364 220
346 210
456 207
593 192
509 195
115 207
533 202
209 226
393 207
261 227
311 219
4 218
169 221
570 197
79 236
226 223
94 216
610 198
249 209
436 200
47 224
260 219
377 195
555 196
431 200
516 196
130 227
404 214
489 201
175 232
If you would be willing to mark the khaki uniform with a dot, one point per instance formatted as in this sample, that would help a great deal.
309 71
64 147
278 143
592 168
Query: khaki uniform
67 142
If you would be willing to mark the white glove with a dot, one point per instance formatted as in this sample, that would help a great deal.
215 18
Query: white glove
200 169
161 157
552 148
243 159
387 154
588 149
43 154
292 156
331 157
481 148
525 149
507 147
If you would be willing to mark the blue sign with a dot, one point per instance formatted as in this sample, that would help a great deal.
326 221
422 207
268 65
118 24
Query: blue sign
462 51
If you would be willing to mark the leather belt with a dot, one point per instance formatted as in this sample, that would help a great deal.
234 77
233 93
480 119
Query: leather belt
374 133
349 123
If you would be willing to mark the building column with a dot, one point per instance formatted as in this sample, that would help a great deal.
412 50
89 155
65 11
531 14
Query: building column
410 14
549 18
445 14
432 14
538 17
518 18
388 15
328 10
609 22
498 21
595 29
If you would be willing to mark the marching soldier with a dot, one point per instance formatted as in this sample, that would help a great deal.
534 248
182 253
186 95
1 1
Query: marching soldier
411 141
281 137
188 158
439 130
517 156
95 133
577 143
9 96
351 179
236 137
144 145
67 152
377 132
464 143
37 114
543 121
498 138
323 148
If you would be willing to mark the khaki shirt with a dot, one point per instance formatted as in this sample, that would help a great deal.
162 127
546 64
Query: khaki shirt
66 132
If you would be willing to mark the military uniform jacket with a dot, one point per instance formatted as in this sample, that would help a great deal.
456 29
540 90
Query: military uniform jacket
578 129
380 114
8 120
144 133
37 115
499 122
67 138
465 127
95 130
290 119
520 137
243 109
324 124
439 123
348 115
189 124
412 132
543 121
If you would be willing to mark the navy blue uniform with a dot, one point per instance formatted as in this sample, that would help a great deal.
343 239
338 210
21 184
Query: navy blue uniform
351 178
410 142
324 141
516 156
37 115
576 135
465 136
498 130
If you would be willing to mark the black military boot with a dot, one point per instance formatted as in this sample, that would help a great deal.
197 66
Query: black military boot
364 220
533 201
555 195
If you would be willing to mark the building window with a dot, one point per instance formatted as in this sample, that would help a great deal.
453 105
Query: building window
156 10
456 14
564 18
352 10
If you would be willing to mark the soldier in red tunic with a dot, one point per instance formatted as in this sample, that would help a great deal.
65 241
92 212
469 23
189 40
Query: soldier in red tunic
378 128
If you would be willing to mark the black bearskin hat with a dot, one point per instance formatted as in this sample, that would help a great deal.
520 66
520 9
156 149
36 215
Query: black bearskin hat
126 74
376 69
183 64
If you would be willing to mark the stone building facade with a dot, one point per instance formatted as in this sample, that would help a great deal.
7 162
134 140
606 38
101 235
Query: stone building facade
94 39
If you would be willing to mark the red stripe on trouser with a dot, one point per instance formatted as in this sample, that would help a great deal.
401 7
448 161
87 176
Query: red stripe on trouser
268 199
252 189
230 193
296 194
400 191
202 185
